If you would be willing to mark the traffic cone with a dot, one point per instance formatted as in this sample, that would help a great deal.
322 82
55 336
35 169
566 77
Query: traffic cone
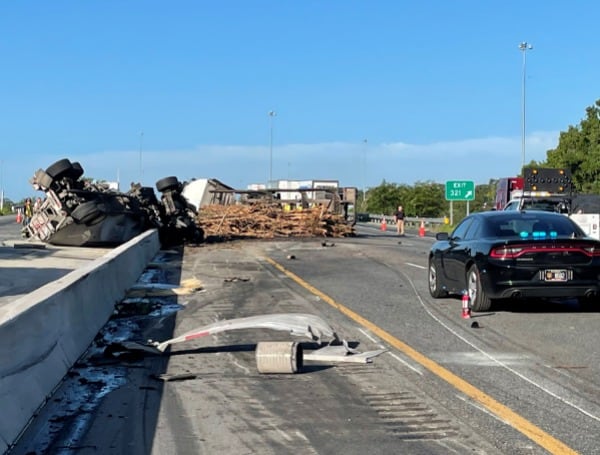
383 224
466 307
19 217
422 229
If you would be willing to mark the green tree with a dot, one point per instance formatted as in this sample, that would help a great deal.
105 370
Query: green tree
428 200
579 150
485 195
384 198
6 208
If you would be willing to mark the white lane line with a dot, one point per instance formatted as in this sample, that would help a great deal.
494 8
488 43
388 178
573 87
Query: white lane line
405 363
381 346
495 360
415 265
368 335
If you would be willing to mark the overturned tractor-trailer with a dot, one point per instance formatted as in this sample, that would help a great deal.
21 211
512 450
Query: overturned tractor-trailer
77 212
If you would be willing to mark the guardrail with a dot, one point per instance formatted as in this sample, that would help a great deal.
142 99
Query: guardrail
409 221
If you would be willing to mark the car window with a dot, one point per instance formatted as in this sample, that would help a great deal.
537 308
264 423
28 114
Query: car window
505 229
461 230
513 205
473 230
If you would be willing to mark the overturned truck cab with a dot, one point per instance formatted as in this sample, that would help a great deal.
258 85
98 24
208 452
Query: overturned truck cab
77 212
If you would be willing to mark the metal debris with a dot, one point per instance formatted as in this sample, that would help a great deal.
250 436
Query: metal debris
296 324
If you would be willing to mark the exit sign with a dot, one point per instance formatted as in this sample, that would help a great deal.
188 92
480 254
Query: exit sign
460 190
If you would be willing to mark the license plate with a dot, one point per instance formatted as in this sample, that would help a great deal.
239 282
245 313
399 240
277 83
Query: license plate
555 275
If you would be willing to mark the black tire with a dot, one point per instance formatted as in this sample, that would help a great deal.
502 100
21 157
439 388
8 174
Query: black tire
76 171
479 299
59 169
435 284
86 212
166 184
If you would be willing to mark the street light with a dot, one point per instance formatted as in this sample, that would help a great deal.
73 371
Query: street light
365 142
141 142
271 115
524 47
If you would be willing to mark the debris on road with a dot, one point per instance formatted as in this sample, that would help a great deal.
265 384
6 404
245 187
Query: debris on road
186 287
267 220
271 357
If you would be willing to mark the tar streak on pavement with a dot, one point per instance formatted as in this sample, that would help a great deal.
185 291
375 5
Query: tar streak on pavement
102 369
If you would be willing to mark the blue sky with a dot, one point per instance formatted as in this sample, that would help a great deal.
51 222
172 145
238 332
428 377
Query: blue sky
364 91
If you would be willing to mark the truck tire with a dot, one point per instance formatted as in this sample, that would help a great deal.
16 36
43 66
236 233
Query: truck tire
76 171
86 212
59 169
166 184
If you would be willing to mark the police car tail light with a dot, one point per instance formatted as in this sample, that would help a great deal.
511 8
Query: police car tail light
506 252
591 251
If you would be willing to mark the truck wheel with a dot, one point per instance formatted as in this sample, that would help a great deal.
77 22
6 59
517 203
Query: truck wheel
166 184
59 169
86 212
76 171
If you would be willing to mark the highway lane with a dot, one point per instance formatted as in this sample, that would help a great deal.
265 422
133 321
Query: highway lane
9 228
534 362
535 356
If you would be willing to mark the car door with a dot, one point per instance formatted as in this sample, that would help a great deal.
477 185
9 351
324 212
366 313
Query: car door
456 255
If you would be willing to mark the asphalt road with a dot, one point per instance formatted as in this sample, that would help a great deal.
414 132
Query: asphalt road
9 228
525 381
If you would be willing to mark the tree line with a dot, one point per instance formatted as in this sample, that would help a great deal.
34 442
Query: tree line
578 150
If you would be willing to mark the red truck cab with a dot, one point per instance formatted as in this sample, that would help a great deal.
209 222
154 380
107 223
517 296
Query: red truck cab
505 190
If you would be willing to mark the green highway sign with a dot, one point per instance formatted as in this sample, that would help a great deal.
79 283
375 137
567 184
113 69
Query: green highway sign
460 190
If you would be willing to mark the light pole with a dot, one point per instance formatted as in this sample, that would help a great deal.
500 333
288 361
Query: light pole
364 198
271 115
524 47
141 143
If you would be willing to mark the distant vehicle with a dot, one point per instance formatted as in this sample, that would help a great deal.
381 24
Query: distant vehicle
549 189
514 254
507 190
77 212
552 190
541 201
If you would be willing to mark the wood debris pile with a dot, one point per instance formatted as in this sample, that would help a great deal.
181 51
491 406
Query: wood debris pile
266 220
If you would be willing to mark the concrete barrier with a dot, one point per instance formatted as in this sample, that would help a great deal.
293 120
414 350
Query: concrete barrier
43 333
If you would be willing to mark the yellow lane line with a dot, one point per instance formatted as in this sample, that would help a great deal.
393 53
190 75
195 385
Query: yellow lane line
519 423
